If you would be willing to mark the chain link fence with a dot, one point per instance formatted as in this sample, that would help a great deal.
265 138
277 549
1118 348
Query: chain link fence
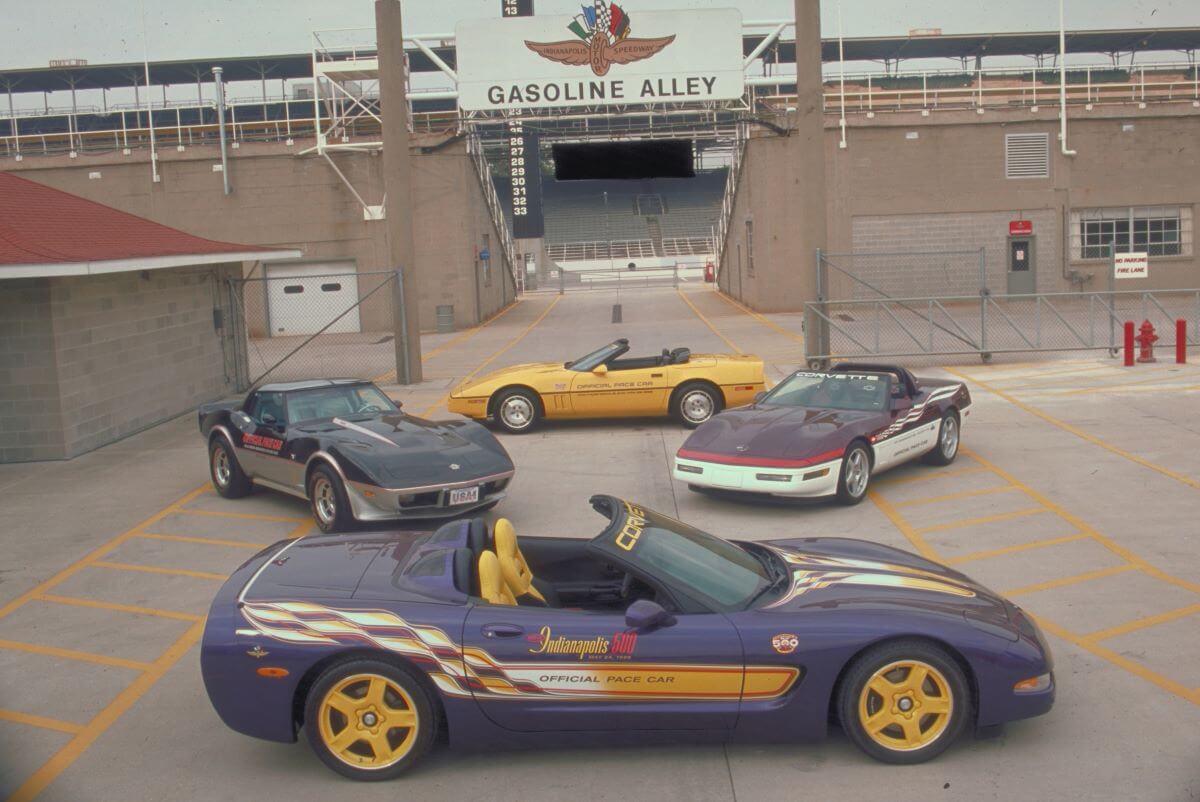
311 325
944 303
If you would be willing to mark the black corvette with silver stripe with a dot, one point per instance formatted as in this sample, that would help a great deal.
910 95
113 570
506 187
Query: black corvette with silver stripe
349 450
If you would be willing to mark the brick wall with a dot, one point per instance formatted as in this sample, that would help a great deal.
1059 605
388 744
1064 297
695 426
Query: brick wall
88 360
30 417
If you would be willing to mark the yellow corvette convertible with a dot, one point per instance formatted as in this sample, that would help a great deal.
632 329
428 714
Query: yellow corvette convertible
605 384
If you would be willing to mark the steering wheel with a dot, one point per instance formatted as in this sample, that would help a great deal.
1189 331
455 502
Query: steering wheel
370 408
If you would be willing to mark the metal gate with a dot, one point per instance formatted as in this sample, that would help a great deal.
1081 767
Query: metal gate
329 347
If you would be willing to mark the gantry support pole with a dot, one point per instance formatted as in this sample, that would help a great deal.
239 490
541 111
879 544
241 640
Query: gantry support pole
397 189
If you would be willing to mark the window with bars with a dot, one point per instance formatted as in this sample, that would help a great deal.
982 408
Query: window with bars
750 247
1153 230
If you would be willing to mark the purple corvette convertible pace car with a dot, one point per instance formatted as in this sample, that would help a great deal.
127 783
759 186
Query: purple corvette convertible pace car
377 644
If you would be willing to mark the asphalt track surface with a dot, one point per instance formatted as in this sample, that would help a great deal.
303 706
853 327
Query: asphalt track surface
1077 494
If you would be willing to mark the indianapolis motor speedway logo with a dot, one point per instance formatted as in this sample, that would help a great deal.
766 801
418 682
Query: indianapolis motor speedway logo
603 40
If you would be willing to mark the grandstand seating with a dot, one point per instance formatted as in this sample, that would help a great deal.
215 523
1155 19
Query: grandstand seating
662 217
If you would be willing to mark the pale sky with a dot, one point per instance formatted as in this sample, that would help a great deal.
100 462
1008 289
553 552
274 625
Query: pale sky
110 30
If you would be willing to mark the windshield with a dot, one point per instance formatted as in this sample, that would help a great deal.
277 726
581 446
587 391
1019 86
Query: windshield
346 400
709 569
596 357
850 391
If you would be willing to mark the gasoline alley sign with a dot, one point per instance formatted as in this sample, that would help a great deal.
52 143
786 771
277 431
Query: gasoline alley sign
610 54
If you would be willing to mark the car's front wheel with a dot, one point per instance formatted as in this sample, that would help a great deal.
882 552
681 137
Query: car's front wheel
228 478
518 410
904 702
369 720
855 476
947 441
327 498
695 403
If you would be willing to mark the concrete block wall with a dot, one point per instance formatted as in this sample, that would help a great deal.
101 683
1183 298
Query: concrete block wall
30 415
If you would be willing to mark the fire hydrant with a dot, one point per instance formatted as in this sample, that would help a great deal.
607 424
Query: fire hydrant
1146 339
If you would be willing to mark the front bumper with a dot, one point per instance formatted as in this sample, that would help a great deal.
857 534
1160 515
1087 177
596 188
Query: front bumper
810 481
474 408
372 503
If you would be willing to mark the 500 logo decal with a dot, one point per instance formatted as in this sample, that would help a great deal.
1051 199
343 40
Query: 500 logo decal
603 31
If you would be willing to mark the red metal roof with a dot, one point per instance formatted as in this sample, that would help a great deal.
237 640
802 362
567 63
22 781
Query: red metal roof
42 225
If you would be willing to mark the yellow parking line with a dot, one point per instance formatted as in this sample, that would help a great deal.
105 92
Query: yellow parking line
73 654
1075 430
106 717
98 552
1085 527
1157 377
708 323
246 516
460 337
1137 669
1063 582
75 601
206 541
489 360
761 318
983 491
1048 377
40 721
1147 388
906 529
891 480
1142 623
986 519
154 569
1037 544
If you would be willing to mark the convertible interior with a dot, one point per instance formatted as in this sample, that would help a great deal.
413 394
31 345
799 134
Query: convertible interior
540 572
613 357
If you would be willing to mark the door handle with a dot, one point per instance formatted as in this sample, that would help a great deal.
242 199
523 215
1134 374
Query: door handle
501 630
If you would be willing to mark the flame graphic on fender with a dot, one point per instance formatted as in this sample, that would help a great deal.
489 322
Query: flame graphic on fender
814 572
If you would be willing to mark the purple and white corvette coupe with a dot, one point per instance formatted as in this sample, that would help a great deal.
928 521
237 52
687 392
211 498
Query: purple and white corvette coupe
375 644
826 433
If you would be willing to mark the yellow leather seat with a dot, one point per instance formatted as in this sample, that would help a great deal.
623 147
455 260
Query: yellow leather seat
516 572
491 583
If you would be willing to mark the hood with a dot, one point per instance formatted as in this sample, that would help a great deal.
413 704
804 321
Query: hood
781 432
402 450
495 375
837 571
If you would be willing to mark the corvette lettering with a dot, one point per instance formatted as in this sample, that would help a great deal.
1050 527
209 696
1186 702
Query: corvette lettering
635 522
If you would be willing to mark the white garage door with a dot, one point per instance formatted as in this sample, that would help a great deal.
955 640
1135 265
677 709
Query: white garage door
302 299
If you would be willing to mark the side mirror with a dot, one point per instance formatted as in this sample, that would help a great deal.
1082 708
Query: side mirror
399 404
241 421
600 370
759 396
644 615
902 404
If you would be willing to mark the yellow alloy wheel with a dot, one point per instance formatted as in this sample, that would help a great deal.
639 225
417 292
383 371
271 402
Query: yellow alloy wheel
906 705
368 721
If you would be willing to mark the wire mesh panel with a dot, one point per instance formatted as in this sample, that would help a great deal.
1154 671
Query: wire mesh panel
317 325
901 274
995 324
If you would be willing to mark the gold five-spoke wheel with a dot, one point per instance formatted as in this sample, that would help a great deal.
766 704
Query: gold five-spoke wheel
906 705
368 721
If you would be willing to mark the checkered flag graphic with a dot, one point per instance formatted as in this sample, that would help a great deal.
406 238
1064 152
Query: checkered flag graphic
604 19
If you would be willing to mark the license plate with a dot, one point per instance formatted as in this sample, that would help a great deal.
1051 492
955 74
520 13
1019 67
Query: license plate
464 495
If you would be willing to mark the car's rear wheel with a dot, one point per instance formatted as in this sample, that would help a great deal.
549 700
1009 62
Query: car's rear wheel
518 411
947 441
696 402
856 474
228 478
904 702
328 500
369 720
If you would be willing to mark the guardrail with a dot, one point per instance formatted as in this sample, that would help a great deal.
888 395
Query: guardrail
984 325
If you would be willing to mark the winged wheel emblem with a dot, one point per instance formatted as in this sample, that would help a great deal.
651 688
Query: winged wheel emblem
603 40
